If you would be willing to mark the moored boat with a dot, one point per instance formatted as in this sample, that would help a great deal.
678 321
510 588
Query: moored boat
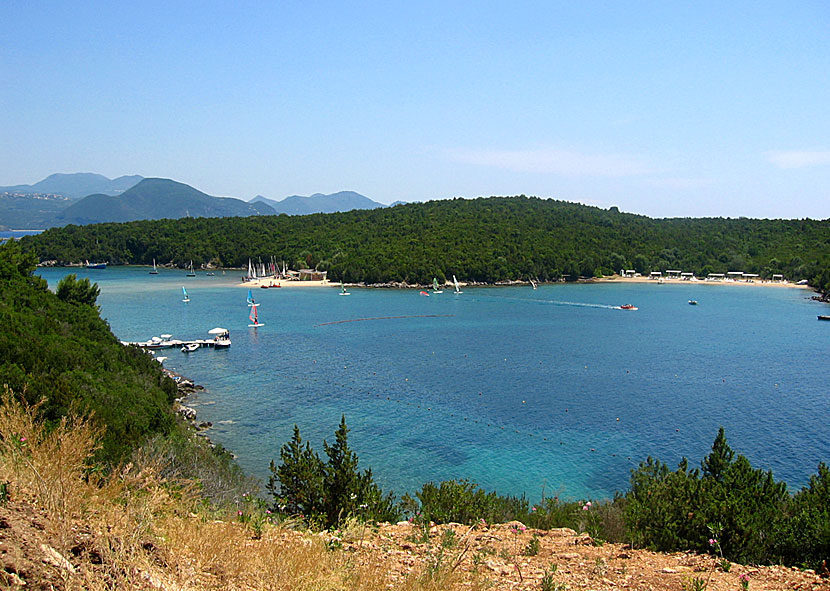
190 347
822 317
95 265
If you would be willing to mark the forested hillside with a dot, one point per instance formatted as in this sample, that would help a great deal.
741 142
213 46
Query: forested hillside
486 240
56 349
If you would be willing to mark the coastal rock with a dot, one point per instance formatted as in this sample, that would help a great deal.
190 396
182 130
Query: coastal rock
187 412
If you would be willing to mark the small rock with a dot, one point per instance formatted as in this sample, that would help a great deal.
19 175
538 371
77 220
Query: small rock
570 555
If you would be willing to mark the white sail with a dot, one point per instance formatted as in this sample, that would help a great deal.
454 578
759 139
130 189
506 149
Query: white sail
457 288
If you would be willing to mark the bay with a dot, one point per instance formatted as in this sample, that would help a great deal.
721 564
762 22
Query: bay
551 391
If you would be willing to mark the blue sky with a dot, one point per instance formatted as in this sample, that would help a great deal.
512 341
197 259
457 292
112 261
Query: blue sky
660 108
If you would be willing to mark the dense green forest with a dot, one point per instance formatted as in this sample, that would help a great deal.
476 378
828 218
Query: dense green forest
55 349
483 240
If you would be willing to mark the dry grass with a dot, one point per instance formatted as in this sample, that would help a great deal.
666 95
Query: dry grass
133 529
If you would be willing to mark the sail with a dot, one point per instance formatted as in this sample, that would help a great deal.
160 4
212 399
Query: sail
435 284
184 295
253 314
250 298
455 281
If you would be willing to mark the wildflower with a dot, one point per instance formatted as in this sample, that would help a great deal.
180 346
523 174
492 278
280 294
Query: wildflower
239 512
712 541
744 577
585 507
533 509
267 511
22 440
523 528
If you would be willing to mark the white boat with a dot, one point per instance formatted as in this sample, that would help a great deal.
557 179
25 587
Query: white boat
186 298
154 271
343 290
190 347
191 273
221 337
435 287
457 288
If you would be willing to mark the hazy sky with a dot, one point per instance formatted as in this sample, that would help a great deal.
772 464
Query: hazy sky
661 108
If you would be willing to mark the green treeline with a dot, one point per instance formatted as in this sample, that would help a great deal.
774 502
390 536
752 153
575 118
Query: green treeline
483 240
56 350
726 507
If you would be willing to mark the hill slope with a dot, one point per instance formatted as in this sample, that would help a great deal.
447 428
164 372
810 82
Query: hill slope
485 240
62 352
76 185
319 203
154 199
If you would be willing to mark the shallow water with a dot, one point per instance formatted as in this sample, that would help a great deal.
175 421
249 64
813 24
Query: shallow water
518 390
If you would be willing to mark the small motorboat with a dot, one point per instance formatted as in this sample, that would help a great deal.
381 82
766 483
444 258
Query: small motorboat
693 302
190 347
824 317
425 293
628 307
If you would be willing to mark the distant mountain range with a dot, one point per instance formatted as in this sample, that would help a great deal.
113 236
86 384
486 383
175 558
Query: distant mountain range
319 203
153 199
76 185
87 198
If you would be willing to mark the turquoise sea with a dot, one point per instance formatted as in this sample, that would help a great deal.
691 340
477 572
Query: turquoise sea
521 391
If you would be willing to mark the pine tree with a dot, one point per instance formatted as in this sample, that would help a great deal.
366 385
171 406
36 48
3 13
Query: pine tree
297 484
717 463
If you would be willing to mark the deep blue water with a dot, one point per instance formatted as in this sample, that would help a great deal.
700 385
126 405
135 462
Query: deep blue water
512 388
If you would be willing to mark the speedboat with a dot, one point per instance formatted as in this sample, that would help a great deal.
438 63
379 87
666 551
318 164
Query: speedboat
693 302
190 347
824 317
628 307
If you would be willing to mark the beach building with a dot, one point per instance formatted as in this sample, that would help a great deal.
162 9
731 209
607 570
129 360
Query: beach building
750 277
777 277
312 275
715 277
734 275
630 273
672 274
655 275
687 276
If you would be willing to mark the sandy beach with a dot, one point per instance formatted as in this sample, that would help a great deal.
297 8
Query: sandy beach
271 282
755 283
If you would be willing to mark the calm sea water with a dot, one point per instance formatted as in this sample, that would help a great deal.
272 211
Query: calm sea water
515 389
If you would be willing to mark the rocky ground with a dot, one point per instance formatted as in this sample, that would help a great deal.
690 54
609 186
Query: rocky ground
500 557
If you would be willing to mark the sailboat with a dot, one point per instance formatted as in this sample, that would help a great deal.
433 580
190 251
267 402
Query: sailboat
191 273
435 288
457 288
533 283
154 271
184 293
343 290
254 317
